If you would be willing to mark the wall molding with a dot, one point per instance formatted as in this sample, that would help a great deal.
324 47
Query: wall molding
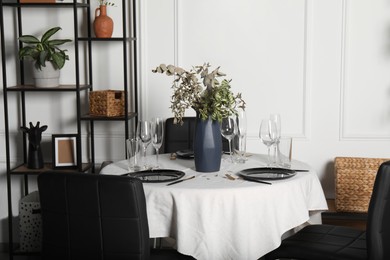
306 76
307 73
344 135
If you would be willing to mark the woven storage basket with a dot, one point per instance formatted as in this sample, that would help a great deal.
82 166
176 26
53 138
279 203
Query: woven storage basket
107 103
354 182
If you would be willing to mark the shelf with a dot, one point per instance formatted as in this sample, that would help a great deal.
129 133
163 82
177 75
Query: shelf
112 39
108 118
60 88
37 5
82 14
22 169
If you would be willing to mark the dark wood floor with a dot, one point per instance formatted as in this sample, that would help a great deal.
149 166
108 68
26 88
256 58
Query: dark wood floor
5 256
330 217
355 220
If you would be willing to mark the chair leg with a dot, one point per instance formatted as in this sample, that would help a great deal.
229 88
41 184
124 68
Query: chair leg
157 243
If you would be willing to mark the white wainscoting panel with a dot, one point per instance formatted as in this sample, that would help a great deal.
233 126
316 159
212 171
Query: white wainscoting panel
365 109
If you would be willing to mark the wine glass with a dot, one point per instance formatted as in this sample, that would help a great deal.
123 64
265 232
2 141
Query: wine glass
157 135
229 130
278 123
144 132
268 134
241 135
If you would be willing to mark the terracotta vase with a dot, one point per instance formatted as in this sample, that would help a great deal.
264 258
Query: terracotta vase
103 24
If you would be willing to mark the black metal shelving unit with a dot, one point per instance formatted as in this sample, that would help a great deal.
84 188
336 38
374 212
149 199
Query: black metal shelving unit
129 47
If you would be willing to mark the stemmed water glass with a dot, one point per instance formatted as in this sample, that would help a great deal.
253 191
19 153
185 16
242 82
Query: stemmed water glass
157 135
278 123
268 134
229 130
145 134
241 135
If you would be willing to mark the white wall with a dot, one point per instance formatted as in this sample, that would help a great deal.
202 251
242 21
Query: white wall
322 64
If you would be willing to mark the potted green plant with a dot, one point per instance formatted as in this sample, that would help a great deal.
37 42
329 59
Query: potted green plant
212 100
48 59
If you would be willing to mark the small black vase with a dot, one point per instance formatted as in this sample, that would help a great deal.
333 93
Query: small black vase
207 145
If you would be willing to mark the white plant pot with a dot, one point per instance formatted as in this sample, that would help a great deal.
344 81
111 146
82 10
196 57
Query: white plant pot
48 77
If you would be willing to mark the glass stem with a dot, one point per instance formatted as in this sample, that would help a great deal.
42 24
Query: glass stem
275 151
157 157
144 158
230 150
269 157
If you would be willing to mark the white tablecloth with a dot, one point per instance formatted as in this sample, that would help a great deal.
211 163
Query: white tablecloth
212 217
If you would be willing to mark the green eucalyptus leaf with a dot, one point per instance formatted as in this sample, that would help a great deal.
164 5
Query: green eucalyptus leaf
163 67
212 100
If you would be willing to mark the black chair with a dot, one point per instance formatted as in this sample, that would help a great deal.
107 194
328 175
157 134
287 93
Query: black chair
181 137
324 242
91 216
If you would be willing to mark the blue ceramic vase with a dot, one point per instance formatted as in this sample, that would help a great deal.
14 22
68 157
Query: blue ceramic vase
207 145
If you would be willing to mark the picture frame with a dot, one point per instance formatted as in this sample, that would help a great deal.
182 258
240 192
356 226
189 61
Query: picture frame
64 151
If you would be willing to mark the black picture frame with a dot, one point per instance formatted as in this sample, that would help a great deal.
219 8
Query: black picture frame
64 151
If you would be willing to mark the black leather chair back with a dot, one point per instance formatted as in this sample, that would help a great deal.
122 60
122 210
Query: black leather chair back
325 242
181 137
88 216
378 224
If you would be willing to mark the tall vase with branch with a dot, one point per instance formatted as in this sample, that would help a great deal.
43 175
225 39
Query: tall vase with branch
212 100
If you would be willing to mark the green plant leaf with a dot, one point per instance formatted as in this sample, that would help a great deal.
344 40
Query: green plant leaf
49 33
57 42
214 99
44 50
58 60
42 58
26 51
29 39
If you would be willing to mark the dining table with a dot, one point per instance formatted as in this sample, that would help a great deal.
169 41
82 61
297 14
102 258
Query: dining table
220 215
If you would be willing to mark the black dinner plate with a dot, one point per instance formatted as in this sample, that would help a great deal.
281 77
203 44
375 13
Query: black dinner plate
157 175
266 173
185 154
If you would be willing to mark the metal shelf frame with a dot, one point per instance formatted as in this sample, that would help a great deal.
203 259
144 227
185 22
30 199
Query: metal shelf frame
130 87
